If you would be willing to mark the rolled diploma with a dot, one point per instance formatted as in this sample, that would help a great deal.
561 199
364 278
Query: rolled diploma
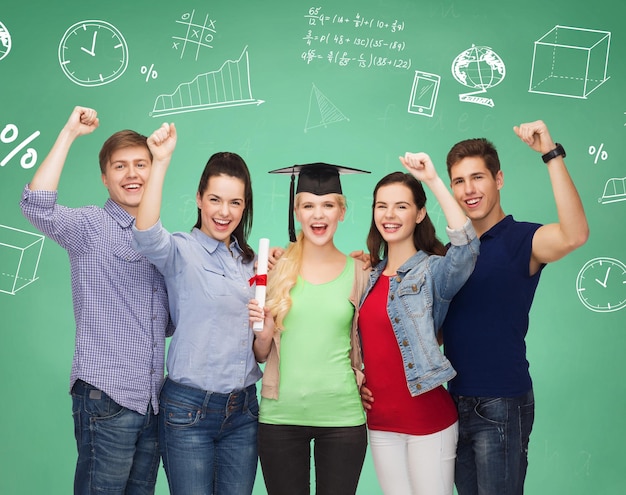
261 269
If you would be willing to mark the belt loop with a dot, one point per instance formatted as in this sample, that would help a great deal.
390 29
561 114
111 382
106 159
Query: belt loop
245 399
207 398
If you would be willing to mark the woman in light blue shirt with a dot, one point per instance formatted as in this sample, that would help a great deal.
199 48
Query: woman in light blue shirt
209 409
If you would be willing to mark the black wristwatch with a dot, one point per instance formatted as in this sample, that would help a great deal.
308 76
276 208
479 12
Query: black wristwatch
554 153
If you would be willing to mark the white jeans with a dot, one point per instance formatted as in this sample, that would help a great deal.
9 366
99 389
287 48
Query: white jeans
415 464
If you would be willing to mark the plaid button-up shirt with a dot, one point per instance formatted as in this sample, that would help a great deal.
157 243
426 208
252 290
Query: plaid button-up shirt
120 299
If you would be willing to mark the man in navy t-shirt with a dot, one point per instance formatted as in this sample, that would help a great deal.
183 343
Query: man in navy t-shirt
487 322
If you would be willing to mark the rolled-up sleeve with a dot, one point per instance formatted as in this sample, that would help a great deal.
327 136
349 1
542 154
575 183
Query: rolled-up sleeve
158 245
68 227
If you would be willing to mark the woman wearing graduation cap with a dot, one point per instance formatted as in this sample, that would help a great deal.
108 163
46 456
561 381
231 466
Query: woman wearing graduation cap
310 388
412 422
208 404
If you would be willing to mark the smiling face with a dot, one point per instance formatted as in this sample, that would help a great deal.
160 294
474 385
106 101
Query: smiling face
396 214
319 216
477 191
125 175
221 206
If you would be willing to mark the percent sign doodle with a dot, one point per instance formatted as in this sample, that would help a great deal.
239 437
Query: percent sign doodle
8 135
599 152
150 73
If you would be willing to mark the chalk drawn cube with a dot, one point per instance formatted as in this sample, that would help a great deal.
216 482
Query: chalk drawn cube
19 258
570 62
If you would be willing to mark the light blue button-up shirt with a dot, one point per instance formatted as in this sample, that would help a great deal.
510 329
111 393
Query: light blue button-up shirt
208 292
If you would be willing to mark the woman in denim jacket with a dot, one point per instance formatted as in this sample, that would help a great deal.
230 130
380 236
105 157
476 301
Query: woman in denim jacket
412 423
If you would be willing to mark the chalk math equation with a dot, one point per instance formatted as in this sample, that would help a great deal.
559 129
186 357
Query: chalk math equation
343 59
316 16
354 40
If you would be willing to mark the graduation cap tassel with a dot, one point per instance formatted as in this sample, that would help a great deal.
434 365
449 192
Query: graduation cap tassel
292 227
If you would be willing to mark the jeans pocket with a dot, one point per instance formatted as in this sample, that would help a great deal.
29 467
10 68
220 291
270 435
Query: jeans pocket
99 406
493 410
179 415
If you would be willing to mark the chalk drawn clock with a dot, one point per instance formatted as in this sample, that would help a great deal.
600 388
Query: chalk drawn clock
601 285
93 53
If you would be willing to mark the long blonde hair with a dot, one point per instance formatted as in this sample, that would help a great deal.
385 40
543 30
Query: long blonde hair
283 277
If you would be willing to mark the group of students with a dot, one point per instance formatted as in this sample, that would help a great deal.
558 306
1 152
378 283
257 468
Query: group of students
341 334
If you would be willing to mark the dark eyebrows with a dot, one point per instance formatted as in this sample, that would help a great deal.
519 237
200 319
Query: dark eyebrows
471 176
213 195
407 203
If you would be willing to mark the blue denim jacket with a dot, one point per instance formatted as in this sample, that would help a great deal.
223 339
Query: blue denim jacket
419 296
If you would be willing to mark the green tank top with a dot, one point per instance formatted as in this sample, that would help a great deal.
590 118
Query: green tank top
317 384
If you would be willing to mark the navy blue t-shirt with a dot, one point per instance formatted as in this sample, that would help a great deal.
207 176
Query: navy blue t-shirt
487 322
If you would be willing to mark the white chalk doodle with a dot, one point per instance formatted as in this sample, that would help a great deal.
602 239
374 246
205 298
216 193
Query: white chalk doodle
198 35
322 111
354 40
601 285
424 93
19 259
599 153
570 62
149 72
9 134
229 86
480 68
614 191
93 53
5 41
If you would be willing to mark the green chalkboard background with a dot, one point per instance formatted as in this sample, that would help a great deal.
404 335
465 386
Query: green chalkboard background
324 81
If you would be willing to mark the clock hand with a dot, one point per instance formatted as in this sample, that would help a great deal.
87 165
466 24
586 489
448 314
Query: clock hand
606 277
93 46
93 43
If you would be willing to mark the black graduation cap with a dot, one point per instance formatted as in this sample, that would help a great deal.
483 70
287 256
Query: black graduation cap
317 178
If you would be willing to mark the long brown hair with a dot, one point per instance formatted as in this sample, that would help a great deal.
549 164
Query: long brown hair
231 165
424 236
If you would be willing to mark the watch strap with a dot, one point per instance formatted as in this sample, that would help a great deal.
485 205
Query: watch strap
554 153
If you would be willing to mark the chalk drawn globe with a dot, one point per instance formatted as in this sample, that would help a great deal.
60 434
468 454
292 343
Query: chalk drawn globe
478 67
5 41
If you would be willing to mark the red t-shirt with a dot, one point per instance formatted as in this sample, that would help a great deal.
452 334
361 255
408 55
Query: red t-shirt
394 409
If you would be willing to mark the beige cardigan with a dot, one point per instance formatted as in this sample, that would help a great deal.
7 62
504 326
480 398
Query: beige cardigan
271 374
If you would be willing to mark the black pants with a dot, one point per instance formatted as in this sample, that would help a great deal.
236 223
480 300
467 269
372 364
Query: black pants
285 454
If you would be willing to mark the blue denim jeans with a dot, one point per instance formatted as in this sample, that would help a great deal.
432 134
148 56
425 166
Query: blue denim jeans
492 453
208 440
118 451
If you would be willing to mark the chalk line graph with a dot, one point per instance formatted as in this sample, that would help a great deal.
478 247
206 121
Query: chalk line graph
229 86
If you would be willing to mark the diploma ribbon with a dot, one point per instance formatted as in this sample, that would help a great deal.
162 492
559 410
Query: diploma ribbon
258 279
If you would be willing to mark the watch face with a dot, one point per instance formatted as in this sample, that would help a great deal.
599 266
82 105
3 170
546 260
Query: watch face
601 285
93 53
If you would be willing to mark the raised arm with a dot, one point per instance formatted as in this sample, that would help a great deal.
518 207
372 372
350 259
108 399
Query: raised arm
82 121
161 143
421 167
553 241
